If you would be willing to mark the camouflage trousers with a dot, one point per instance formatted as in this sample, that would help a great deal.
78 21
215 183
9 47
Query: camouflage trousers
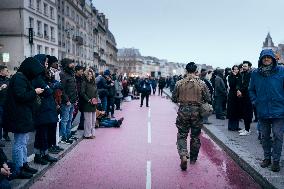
188 119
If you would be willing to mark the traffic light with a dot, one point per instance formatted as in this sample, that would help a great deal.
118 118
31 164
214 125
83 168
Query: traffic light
31 35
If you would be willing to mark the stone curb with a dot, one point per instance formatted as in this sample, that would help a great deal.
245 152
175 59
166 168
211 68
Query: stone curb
260 179
25 184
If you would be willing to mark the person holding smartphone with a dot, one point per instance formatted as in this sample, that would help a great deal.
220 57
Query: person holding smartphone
19 112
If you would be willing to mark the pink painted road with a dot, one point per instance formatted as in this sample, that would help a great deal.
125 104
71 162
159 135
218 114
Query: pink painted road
142 154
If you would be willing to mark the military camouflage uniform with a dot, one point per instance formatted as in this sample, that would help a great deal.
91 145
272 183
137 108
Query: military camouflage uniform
189 93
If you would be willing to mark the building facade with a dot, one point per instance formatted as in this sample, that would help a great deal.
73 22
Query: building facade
31 18
279 50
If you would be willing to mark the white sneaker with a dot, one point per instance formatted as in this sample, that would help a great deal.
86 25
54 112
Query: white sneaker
245 133
242 130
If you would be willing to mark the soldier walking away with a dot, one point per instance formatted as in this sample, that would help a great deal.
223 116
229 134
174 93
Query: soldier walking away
189 92
266 92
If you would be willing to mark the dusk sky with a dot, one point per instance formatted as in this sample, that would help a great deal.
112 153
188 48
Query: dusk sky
220 33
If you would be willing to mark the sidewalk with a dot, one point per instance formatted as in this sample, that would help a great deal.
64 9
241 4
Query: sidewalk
26 183
245 150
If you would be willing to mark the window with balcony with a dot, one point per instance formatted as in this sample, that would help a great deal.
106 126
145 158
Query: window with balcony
39 30
45 9
31 4
46 50
67 11
51 10
38 49
73 14
62 7
38 5
45 32
31 22
52 34
52 51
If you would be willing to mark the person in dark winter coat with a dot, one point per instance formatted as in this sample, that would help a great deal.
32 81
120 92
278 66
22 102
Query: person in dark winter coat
110 97
4 83
69 98
243 94
19 110
79 71
89 95
145 90
220 94
153 84
266 92
233 109
161 86
102 89
46 116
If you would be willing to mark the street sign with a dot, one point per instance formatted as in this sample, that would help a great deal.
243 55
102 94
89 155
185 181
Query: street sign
31 36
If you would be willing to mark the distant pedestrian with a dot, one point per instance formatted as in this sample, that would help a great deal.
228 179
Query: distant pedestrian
267 94
118 92
161 85
220 94
153 85
189 92
145 90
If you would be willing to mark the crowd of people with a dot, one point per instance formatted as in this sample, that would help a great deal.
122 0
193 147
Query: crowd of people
44 94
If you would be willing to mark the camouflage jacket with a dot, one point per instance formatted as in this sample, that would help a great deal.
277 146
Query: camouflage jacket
189 90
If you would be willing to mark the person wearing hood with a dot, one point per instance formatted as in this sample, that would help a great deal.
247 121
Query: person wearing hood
19 114
46 116
69 98
266 92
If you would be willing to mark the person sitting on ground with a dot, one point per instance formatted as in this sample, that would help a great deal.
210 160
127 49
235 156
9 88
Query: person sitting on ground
104 121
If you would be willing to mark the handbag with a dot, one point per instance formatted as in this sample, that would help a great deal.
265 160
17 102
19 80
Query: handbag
37 103
206 109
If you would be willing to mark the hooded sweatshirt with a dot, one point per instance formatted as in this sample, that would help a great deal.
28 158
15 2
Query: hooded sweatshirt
266 88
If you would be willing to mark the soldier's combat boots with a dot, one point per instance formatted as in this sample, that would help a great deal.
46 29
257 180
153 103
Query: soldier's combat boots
183 163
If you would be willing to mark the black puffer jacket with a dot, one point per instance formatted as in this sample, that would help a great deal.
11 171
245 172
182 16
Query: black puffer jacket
69 86
18 113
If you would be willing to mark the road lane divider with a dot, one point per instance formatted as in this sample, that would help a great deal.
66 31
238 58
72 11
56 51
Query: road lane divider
148 175
149 133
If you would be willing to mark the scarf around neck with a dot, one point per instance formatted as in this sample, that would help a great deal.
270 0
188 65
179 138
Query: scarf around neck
266 70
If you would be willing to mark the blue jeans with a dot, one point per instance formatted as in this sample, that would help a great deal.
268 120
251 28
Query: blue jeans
277 125
109 123
19 151
66 119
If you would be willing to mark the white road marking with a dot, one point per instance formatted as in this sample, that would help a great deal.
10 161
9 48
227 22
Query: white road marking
149 133
149 113
148 176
